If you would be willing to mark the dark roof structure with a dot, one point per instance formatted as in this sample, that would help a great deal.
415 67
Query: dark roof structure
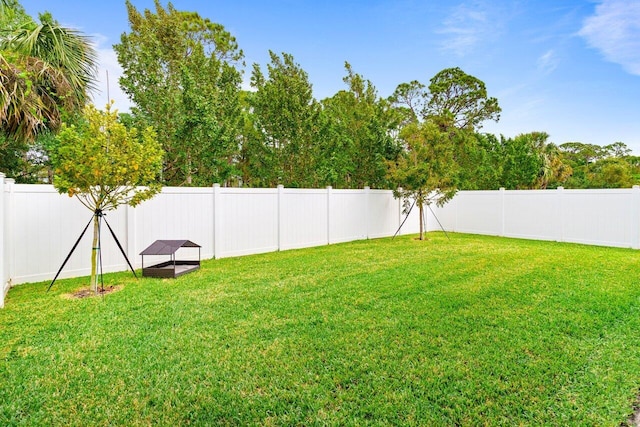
168 247
172 268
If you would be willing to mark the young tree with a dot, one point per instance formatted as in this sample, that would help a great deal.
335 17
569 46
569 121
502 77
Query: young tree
103 164
426 171
442 136
180 71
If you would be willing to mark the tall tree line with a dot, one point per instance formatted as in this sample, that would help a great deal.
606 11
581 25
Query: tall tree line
184 74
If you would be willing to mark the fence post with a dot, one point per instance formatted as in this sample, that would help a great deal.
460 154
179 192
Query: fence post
3 263
635 217
9 237
280 198
561 212
216 221
329 214
367 207
502 218
399 210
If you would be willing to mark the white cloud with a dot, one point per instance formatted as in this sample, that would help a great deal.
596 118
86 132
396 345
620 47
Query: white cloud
108 66
614 30
466 27
548 62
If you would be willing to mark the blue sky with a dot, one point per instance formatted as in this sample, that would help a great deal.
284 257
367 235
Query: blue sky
570 68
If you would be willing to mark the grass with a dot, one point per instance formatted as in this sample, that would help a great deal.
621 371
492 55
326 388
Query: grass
468 331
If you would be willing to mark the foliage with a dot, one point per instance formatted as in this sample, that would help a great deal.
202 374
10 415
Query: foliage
183 74
45 69
441 140
180 71
103 164
480 163
426 171
285 117
595 166
360 135
475 330
46 73
526 161
461 99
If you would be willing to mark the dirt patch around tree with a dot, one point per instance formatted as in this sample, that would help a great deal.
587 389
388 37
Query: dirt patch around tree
634 420
88 293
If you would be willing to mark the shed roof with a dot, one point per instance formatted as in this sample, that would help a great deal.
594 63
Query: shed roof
168 247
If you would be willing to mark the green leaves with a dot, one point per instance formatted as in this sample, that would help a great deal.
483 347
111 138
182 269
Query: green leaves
461 99
180 70
285 118
427 170
45 70
361 134
103 163
439 125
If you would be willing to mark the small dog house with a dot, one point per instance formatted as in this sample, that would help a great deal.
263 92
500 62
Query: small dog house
172 267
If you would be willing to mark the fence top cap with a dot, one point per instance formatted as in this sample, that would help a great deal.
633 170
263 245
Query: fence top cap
168 247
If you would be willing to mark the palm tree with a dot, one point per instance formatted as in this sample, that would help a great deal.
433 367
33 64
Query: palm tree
45 70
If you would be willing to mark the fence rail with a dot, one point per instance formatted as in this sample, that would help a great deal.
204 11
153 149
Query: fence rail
38 226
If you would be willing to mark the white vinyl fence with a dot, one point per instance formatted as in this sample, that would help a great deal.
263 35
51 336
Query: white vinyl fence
608 217
38 226
41 226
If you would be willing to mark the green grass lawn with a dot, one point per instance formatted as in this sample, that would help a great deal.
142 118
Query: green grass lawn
468 331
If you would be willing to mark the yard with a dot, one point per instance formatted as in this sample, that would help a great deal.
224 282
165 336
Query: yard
469 330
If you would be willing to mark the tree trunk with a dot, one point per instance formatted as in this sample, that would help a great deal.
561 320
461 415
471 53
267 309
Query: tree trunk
94 255
421 223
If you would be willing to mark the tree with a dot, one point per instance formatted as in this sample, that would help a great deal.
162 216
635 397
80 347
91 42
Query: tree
460 99
594 166
410 96
612 172
285 115
46 73
45 70
426 171
362 135
443 138
180 71
617 149
528 161
481 163
103 164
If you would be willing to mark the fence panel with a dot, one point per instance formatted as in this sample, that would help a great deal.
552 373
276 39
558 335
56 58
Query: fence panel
247 221
383 214
478 212
5 260
38 226
599 217
532 214
47 226
608 217
348 215
304 218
